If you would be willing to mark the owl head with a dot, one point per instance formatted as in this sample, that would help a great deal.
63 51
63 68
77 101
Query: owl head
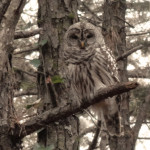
80 40
82 35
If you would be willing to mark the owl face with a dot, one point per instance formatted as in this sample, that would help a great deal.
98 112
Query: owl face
81 36
81 42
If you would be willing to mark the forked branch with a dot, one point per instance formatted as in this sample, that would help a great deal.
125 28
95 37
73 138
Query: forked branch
129 52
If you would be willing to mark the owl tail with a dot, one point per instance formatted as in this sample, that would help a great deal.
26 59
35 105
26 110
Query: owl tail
112 116
109 115
113 125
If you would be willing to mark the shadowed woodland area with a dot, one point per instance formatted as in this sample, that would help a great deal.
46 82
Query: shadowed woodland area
38 110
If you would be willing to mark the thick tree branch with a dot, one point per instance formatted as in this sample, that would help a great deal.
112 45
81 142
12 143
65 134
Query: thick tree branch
129 52
55 114
26 34
142 114
9 22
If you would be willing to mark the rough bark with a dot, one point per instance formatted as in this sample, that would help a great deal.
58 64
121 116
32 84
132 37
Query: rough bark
9 17
55 17
3 7
114 33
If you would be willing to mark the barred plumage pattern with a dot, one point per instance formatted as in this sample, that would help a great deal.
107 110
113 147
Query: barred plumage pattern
90 68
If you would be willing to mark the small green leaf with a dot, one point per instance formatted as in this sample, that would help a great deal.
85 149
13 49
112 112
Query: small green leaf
43 42
71 16
29 106
57 79
35 62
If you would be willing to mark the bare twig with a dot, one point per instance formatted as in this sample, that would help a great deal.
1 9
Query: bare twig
129 52
27 50
137 34
95 139
124 21
57 113
26 34
143 138
28 73
144 122
17 94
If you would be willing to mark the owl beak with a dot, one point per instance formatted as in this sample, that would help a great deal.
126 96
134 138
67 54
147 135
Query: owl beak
82 44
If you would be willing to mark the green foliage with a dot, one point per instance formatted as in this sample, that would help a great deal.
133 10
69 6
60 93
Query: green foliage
71 16
57 79
43 42
35 62
29 106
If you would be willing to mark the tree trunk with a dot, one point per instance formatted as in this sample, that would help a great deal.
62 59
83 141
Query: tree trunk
9 17
55 17
115 37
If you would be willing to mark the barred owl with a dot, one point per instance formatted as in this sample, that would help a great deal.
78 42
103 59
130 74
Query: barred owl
90 67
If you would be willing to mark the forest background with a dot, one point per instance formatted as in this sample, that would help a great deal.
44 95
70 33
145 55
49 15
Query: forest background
31 33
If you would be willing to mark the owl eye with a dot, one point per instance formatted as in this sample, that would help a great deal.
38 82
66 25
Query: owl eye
74 37
90 36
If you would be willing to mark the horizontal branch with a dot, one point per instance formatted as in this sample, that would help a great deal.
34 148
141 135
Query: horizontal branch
137 34
28 73
26 34
17 94
60 112
139 73
27 50
129 52
143 138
